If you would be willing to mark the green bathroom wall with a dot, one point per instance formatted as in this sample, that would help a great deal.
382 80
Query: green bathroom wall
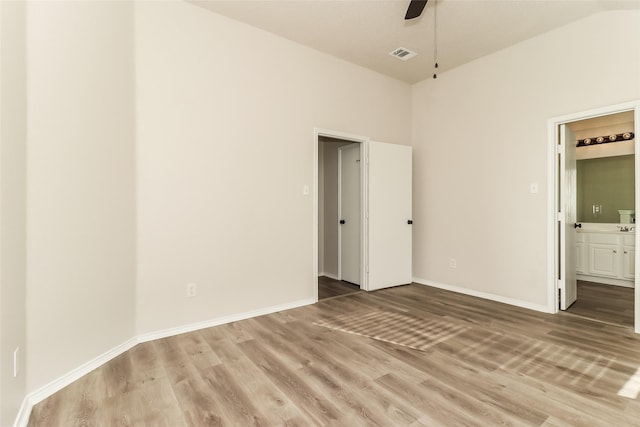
606 181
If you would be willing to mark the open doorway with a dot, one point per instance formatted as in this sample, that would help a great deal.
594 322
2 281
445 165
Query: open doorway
593 251
385 222
339 217
605 216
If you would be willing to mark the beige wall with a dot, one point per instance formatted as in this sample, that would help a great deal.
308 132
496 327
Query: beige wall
225 119
480 140
12 204
80 191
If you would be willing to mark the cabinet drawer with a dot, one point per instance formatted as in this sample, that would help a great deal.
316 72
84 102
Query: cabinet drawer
629 240
606 239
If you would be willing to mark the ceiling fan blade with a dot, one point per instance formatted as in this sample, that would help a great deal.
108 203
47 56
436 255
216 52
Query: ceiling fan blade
415 8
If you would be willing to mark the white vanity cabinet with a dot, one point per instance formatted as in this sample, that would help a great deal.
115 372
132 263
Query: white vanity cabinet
606 257
629 257
581 265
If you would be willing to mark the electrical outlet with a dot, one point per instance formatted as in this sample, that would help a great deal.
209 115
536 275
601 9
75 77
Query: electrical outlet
191 289
453 263
15 362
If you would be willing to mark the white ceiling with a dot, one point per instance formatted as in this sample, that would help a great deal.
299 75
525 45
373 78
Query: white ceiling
365 31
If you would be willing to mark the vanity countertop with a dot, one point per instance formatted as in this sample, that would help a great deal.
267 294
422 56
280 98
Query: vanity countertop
606 228
597 231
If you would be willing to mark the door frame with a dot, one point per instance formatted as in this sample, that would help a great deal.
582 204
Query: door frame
362 140
553 185
340 149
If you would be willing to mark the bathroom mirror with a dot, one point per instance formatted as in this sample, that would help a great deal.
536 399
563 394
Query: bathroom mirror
604 186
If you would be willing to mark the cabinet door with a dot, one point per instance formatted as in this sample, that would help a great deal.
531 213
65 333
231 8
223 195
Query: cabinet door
580 258
603 260
629 266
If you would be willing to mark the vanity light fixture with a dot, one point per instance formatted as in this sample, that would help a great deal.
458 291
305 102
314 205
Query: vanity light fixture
626 136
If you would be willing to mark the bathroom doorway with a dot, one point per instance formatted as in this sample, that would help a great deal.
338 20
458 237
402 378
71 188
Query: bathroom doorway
594 199
605 215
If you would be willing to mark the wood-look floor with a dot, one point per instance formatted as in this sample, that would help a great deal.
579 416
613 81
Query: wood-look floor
606 303
483 364
331 288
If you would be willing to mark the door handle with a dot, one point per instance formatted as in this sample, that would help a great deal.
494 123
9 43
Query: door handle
577 225
410 222
342 221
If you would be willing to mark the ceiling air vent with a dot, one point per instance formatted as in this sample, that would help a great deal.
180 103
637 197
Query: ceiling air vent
402 53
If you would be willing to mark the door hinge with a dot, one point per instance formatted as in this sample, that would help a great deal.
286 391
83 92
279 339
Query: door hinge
559 299
560 149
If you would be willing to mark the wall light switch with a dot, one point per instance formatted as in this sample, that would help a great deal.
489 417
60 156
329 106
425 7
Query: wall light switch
305 190
191 290
534 188
15 362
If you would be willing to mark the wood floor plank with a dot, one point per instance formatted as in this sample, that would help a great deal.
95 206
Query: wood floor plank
559 403
331 288
467 377
197 403
152 403
607 303
354 410
332 364
321 410
436 408
235 403
272 400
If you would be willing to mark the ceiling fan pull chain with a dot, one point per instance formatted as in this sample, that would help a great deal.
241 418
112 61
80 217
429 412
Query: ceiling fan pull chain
435 39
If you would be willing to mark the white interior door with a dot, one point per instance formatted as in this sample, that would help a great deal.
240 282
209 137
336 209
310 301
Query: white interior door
349 212
636 257
388 192
567 218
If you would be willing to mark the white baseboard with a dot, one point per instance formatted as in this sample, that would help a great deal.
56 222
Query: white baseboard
42 393
484 295
58 384
221 320
329 275
22 419
606 280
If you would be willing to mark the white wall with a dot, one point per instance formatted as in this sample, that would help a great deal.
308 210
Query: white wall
80 191
480 140
225 119
12 207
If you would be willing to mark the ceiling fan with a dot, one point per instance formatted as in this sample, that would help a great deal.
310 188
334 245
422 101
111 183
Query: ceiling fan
413 11
415 8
